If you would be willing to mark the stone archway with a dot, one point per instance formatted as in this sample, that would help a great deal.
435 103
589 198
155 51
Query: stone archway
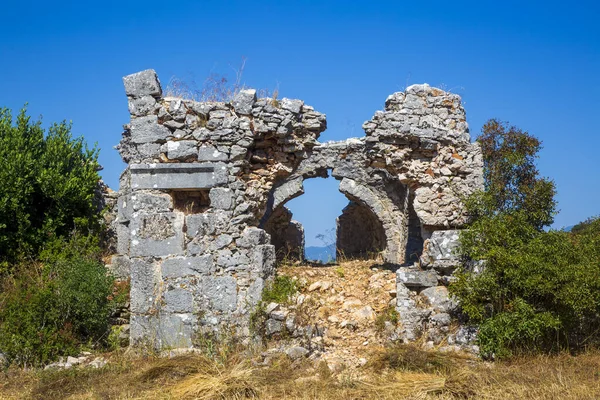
383 203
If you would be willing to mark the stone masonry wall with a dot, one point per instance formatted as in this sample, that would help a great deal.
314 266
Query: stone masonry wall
204 179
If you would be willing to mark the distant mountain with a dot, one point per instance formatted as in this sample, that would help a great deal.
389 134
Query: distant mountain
567 228
323 254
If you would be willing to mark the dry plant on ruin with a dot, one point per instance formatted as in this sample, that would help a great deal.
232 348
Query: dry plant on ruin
216 87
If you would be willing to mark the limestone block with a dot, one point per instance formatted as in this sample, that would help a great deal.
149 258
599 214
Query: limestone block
243 101
440 251
438 298
146 151
287 191
252 237
222 241
291 105
417 279
123 238
202 109
163 330
157 235
210 153
197 247
120 266
273 326
141 106
145 280
221 198
296 352
199 225
185 266
220 292
254 293
263 259
442 245
178 300
146 202
238 152
144 83
181 149
147 129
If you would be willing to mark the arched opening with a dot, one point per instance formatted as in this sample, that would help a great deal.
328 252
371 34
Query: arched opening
359 233
302 223
320 220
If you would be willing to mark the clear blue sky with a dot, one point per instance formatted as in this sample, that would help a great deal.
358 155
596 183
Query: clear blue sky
534 64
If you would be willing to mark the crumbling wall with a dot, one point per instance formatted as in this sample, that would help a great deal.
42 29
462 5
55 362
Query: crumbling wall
286 234
189 203
205 180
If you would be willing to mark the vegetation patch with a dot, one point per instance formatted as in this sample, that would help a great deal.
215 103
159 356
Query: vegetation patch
533 290
55 308
389 314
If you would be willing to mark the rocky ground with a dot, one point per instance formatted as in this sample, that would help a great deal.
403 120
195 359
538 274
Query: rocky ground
340 314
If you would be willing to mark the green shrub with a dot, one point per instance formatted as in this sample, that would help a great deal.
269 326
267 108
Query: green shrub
536 295
54 308
538 290
48 186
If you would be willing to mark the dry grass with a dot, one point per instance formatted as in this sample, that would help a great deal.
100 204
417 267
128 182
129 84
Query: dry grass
396 373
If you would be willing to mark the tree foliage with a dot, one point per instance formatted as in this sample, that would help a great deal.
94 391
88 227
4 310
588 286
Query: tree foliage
55 293
533 290
48 185
511 179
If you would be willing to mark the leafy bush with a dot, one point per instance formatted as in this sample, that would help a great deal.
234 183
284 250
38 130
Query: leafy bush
538 290
48 186
53 308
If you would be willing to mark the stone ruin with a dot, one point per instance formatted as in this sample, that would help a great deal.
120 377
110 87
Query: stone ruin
201 208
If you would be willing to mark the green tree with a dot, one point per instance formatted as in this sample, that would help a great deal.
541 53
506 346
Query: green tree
511 179
536 290
48 186
585 226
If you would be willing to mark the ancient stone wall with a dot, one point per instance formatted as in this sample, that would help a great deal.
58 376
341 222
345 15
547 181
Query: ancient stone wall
205 182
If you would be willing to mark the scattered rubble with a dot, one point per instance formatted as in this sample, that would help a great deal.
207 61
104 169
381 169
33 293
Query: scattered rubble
85 360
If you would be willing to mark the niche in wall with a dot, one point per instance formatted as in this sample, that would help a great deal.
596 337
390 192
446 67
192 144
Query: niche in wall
191 201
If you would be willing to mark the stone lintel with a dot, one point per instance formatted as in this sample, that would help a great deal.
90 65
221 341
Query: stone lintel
177 176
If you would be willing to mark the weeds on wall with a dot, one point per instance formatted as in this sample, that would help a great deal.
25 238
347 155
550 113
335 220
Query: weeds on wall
217 87
389 314
280 291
